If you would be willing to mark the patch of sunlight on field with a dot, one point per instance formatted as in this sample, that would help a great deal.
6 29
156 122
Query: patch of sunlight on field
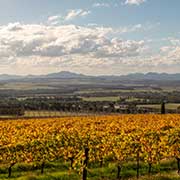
170 106
93 99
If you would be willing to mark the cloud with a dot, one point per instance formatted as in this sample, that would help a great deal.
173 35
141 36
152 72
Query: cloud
72 14
63 45
134 2
173 41
53 18
38 48
14 27
101 5
56 41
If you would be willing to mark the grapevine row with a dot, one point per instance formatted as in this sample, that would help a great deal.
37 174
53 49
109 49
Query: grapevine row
83 140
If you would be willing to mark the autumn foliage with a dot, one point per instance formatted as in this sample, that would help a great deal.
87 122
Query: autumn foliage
147 138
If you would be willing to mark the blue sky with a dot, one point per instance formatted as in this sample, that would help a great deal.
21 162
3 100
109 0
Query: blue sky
88 36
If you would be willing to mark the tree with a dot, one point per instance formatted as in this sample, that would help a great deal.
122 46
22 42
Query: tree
163 108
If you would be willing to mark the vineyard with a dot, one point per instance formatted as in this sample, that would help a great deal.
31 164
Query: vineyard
83 141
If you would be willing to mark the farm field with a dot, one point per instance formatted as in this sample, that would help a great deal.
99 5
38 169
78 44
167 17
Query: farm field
60 171
115 90
89 90
108 98
127 146
50 114
170 106
24 86
44 114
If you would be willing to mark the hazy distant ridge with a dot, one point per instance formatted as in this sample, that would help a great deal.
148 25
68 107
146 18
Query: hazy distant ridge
70 75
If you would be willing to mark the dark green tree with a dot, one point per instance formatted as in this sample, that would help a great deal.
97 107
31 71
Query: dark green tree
163 108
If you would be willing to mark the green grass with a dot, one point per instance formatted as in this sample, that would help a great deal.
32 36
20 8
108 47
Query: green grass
52 114
133 99
45 113
115 91
60 171
38 114
108 98
25 86
170 106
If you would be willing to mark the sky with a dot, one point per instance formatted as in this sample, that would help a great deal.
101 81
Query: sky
93 37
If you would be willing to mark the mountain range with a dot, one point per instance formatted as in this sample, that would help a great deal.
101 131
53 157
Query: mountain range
72 75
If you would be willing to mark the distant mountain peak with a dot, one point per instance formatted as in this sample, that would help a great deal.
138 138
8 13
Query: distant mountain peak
71 75
152 76
64 74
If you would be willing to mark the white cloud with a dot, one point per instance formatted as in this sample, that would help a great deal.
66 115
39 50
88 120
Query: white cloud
134 2
164 49
101 5
35 45
174 41
14 26
33 48
56 41
53 18
72 14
